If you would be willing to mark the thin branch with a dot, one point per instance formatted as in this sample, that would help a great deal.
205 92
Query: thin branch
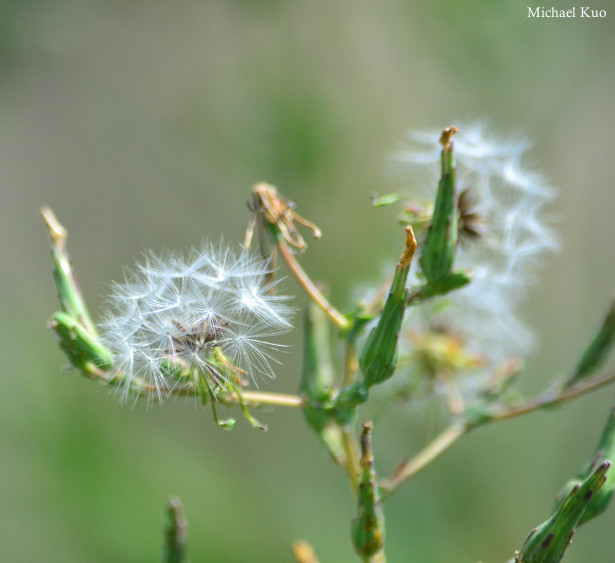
310 288
434 449
257 398
352 458
462 426
551 398
143 389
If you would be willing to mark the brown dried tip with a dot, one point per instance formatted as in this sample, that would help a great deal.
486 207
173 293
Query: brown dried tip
280 212
445 138
57 233
367 457
408 253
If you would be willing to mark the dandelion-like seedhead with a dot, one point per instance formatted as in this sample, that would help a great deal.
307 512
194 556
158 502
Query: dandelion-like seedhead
207 317
504 235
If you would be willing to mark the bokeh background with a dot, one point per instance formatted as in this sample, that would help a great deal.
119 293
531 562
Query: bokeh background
144 125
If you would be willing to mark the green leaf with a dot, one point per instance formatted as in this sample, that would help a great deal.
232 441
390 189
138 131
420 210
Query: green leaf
381 201
598 350
455 280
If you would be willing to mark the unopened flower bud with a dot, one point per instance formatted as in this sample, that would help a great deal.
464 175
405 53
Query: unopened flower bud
368 526
549 541
438 253
379 358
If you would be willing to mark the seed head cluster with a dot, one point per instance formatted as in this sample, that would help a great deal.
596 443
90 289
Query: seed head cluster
210 314
504 234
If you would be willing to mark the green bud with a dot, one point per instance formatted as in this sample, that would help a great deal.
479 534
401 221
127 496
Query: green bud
548 542
438 253
83 350
174 549
605 451
597 352
368 526
379 357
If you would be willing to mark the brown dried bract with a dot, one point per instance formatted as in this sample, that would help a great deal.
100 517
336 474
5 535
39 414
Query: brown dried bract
198 338
471 224
57 233
276 210
408 254
445 138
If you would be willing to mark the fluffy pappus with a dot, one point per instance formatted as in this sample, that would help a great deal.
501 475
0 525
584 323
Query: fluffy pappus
504 236
178 321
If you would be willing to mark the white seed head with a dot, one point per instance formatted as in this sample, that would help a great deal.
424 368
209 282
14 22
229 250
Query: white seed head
180 310
508 202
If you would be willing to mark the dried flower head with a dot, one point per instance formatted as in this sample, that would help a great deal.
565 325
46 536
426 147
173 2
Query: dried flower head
201 323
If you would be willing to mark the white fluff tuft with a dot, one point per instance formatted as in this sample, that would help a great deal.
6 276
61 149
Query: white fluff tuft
178 309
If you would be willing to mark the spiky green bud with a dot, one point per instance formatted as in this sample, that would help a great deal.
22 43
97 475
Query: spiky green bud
174 549
548 542
438 253
605 451
368 526
379 357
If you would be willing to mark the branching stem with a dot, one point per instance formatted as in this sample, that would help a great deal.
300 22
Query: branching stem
462 425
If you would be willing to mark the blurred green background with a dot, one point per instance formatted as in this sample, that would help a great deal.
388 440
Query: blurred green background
144 125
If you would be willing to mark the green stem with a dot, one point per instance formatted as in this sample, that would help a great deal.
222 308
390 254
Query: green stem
256 398
351 363
352 458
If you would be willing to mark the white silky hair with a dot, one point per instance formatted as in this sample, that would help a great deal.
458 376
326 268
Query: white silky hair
175 307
